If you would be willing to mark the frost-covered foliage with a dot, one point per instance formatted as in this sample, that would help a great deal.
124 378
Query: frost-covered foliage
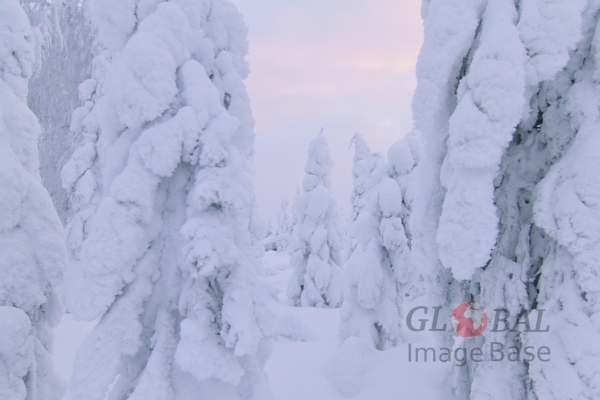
164 232
379 268
361 171
315 243
32 245
63 61
490 100
507 205
284 227
403 158
269 240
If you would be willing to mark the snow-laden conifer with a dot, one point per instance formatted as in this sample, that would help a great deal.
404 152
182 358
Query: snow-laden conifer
361 170
378 268
315 243
505 209
164 228
269 241
284 226
32 246
63 60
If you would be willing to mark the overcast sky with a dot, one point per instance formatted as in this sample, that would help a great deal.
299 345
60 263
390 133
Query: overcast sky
343 65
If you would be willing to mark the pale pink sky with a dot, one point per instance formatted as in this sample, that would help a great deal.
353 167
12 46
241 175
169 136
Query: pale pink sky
344 65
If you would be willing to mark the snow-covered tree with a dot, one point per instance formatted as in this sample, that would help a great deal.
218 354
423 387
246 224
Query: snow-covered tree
269 240
379 267
32 246
164 231
63 60
284 227
315 244
361 171
506 208
295 213
403 158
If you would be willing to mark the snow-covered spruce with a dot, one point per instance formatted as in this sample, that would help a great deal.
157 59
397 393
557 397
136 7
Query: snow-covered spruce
32 246
162 192
284 227
378 269
403 158
490 100
514 93
361 171
269 239
449 28
63 60
315 243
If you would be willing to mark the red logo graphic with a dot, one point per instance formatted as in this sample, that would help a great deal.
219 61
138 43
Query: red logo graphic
469 319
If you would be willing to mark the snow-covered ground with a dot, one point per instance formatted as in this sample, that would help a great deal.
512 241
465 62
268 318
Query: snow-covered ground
316 367
310 364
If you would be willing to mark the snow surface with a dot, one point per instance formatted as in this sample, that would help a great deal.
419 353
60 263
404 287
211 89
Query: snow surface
308 361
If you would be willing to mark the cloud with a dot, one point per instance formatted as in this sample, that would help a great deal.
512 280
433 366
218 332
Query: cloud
345 65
